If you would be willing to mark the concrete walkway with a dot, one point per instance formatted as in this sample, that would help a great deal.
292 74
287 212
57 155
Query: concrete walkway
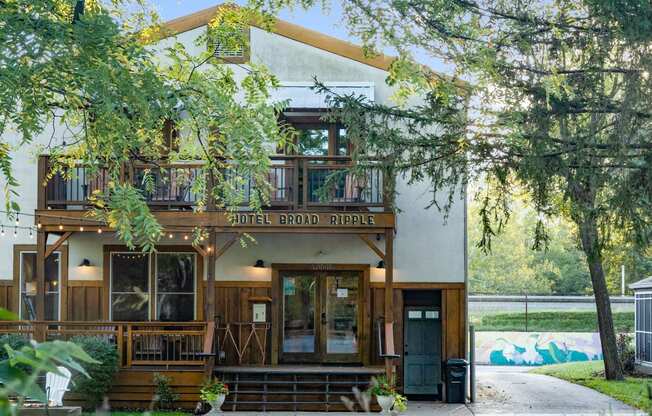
512 390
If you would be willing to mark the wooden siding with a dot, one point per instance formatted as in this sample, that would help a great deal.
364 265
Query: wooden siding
233 304
8 296
453 320
134 389
85 300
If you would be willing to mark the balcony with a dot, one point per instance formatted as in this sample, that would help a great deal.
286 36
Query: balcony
298 183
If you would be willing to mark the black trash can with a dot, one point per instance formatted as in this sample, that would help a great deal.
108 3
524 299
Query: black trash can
456 380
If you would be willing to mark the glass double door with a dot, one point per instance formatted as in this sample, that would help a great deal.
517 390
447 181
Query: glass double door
321 316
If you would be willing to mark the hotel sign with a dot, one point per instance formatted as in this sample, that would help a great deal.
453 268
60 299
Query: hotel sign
306 219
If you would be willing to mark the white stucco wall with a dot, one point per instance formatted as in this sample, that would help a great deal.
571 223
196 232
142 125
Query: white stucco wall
426 249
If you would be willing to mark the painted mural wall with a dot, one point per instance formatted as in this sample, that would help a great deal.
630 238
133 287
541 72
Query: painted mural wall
530 348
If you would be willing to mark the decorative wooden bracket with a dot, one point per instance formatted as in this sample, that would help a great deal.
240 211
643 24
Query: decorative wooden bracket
226 246
57 244
200 250
372 246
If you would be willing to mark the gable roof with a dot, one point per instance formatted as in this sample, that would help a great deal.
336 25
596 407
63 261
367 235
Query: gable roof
642 284
291 31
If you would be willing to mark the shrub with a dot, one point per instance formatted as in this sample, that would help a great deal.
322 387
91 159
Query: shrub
94 389
626 353
15 341
165 396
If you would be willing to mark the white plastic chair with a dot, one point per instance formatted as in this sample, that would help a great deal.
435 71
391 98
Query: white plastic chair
56 385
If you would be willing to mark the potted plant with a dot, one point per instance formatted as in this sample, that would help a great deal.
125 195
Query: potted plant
387 396
214 393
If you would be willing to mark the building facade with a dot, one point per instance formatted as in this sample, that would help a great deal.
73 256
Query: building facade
339 282
643 324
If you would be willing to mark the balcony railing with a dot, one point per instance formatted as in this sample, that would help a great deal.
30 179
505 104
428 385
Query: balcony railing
297 183
137 343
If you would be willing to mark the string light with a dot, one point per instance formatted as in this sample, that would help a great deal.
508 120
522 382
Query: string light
38 225
99 230
31 234
185 236
170 235
2 233
81 228
15 232
60 226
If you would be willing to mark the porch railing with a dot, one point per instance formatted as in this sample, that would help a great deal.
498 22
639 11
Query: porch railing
297 183
137 343
244 339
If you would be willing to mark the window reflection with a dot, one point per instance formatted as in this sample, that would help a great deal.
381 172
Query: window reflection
28 286
175 286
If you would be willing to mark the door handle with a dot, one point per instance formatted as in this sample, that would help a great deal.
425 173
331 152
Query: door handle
323 318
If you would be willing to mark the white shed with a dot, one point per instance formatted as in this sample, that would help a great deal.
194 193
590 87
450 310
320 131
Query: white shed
643 318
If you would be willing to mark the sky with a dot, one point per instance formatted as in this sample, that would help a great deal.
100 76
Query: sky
330 22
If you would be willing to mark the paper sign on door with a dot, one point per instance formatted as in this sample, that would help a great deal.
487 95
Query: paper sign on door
342 293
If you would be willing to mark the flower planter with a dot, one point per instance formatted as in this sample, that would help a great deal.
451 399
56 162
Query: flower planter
385 403
216 405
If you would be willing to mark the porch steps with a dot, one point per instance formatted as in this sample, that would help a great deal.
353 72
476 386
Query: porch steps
293 388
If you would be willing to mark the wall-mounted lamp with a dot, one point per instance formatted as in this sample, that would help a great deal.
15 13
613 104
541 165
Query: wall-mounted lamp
259 263
381 264
85 263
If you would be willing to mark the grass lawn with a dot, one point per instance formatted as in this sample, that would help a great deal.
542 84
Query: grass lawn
565 321
155 413
633 390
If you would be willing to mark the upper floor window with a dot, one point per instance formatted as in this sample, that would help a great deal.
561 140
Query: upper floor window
316 137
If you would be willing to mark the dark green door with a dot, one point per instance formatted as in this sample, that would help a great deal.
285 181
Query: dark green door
422 350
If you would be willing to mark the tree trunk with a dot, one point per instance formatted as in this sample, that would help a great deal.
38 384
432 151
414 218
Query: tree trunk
588 230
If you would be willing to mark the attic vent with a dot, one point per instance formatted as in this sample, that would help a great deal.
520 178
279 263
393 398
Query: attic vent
233 49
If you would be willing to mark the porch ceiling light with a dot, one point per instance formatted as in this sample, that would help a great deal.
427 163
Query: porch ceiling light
259 263
381 264
85 263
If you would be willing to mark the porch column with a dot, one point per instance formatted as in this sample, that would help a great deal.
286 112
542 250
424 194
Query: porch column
41 242
210 281
389 300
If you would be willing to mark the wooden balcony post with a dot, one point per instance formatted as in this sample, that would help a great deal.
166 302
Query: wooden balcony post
295 184
210 279
389 300
41 242
305 182
41 190
210 183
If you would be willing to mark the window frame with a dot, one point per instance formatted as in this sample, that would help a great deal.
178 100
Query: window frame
63 277
194 254
152 312
149 284
312 119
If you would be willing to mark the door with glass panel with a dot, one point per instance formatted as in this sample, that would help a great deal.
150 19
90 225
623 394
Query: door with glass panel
28 286
321 316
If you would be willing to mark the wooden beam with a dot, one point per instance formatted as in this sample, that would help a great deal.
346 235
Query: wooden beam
226 246
210 280
389 300
200 250
41 241
51 249
372 246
